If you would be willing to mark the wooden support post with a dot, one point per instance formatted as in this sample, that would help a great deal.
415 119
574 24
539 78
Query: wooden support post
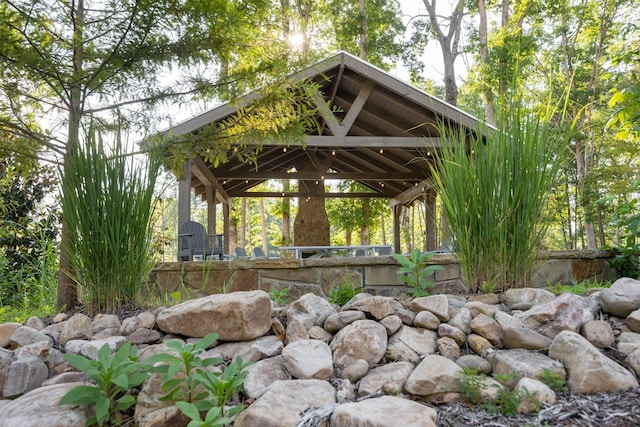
184 194
430 219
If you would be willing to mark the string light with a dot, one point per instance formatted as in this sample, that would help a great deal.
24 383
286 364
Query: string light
333 152
381 151
284 149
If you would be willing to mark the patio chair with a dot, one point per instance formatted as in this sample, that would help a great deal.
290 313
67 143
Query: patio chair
193 241
240 252
385 250
258 252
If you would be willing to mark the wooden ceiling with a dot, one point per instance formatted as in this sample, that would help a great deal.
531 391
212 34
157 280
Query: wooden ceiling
383 135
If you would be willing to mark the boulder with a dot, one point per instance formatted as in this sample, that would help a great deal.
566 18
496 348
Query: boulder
434 375
563 313
39 408
362 339
436 304
309 309
589 370
283 402
389 379
517 364
525 298
410 344
377 306
383 412
262 374
309 359
622 298
238 316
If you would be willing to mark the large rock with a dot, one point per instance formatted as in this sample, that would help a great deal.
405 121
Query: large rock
563 313
284 401
622 298
517 364
6 330
434 375
24 375
308 359
377 306
363 339
516 335
39 408
262 374
78 327
589 370
436 304
488 328
411 344
337 321
311 310
525 298
238 316
383 411
389 379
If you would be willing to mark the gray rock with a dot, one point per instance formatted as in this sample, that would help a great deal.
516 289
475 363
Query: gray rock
488 328
426 319
391 324
24 375
377 306
598 333
383 411
434 375
308 309
622 298
589 370
25 335
475 362
533 394
105 321
78 327
6 330
436 304
262 374
308 359
525 298
337 321
237 316
284 401
389 379
448 347
410 344
363 339
355 370
563 313
516 335
39 408
518 364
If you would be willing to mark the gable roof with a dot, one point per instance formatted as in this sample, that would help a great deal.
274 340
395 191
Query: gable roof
383 134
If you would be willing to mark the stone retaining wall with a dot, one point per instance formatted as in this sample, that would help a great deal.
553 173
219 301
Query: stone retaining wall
378 275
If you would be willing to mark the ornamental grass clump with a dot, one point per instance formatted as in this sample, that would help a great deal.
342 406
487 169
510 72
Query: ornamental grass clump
107 201
494 184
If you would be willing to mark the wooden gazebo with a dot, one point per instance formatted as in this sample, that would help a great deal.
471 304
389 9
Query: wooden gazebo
383 137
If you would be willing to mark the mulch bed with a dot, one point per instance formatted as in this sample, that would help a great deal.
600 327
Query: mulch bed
570 410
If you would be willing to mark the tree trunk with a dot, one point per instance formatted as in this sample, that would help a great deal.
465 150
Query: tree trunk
286 215
363 30
489 104
67 286
366 223
242 237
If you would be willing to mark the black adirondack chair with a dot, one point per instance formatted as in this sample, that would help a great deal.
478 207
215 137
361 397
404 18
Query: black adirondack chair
193 241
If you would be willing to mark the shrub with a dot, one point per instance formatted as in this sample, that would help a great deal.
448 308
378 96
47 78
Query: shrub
415 270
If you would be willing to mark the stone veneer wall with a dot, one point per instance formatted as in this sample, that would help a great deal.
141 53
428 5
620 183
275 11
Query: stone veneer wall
378 274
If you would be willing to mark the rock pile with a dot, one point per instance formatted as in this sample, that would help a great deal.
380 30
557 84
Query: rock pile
376 361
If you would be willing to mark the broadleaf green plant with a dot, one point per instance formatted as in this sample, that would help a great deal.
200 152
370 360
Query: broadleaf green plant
114 375
343 292
179 366
415 271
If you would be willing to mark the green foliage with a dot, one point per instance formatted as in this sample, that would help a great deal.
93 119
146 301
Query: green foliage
196 389
342 293
415 271
553 380
107 204
506 402
627 221
279 296
114 377
581 288
28 247
494 184
180 365
471 385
